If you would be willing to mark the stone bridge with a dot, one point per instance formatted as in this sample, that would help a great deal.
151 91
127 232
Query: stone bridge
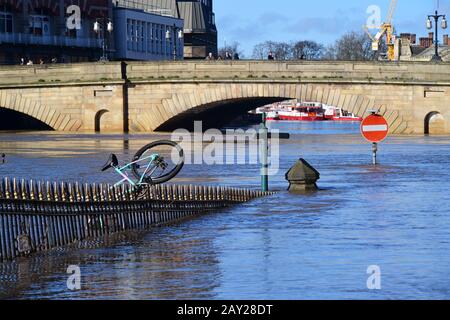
151 96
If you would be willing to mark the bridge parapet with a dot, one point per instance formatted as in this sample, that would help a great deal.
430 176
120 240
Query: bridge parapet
60 74
311 71
328 71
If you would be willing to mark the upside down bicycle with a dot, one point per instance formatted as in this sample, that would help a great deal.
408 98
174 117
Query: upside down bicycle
155 163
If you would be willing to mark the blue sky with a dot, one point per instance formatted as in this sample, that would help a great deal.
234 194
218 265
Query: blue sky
252 21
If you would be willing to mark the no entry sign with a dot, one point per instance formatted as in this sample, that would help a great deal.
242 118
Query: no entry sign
374 128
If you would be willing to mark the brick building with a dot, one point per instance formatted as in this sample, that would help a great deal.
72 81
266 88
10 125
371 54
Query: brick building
407 48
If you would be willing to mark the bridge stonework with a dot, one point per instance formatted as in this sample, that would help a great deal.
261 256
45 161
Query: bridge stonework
148 96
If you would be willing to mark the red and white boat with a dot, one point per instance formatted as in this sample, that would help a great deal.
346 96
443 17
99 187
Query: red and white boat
337 114
299 112
306 111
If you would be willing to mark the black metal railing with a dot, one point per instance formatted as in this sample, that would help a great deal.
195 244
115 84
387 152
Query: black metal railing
38 216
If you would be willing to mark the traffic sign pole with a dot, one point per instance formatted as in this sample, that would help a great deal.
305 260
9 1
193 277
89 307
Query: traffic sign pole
374 129
263 136
374 152
264 145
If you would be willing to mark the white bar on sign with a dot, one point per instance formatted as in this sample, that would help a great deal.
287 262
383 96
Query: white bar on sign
374 128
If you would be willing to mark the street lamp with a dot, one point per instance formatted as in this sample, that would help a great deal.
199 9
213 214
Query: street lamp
436 18
101 26
178 36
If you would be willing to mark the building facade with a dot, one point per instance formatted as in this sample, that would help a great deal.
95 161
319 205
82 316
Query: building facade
200 32
38 30
407 48
43 30
199 28
141 35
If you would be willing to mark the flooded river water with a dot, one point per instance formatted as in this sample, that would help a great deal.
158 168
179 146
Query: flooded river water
314 246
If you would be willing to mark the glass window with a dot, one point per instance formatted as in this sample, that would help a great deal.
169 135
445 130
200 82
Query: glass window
39 25
143 42
149 37
161 39
129 34
157 47
6 23
138 32
141 45
133 39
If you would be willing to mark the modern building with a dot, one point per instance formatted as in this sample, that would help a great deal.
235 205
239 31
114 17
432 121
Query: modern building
145 35
140 30
38 30
200 32
199 28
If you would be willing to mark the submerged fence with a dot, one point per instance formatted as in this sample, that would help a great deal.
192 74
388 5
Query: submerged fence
38 216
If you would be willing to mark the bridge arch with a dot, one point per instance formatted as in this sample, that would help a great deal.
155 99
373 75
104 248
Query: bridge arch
14 120
43 117
434 123
98 119
221 101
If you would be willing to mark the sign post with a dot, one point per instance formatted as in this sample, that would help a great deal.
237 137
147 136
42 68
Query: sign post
374 152
264 132
263 136
374 129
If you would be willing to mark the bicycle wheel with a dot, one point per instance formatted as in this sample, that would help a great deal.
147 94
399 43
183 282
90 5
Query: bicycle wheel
158 162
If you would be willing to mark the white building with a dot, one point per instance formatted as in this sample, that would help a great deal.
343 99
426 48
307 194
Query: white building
141 35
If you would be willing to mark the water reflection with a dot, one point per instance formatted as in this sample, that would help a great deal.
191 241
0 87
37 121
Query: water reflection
316 245
132 266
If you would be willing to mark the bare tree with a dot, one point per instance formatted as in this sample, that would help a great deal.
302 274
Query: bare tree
307 50
329 53
354 46
232 49
280 50
259 51
351 46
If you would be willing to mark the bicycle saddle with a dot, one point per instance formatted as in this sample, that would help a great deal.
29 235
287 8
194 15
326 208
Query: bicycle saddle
111 163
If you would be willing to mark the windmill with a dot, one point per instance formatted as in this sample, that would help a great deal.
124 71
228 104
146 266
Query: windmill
385 29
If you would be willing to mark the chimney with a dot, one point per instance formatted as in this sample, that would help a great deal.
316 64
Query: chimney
445 43
409 36
425 42
431 36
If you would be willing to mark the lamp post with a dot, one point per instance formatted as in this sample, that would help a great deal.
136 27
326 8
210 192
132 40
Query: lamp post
101 26
178 35
436 18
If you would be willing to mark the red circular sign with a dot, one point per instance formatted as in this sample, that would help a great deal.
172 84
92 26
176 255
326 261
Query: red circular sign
374 128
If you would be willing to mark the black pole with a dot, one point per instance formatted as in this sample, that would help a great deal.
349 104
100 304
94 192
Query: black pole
436 17
436 47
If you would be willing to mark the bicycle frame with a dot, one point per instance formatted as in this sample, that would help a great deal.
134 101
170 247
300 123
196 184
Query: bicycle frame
122 171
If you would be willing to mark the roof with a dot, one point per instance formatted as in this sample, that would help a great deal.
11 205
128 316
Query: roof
192 14
430 51
415 50
162 7
195 16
